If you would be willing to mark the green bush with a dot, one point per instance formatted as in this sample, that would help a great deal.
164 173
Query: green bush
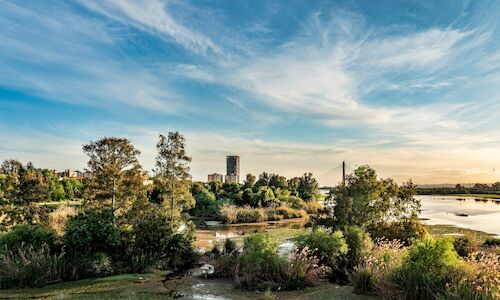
492 241
91 232
464 246
326 245
362 280
359 244
29 235
30 266
87 234
427 269
149 242
96 265
406 231
259 266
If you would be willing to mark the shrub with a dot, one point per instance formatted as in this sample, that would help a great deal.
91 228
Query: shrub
247 214
30 266
427 269
96 265
29 235
312 207
303 270
326 245
180 250
359 243
89 233
259 266
406 231
362 279
149 242
384 258
228 213
481 280
492 241
464 246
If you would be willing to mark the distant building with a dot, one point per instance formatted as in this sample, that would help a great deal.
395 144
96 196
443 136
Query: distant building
232 179
73 174
233 169
215 177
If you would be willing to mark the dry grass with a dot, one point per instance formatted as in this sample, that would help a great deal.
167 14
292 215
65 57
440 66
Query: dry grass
59 218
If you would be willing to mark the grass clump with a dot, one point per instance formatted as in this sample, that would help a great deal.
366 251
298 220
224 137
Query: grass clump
491 241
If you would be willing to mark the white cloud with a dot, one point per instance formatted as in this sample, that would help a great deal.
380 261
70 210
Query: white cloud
153 16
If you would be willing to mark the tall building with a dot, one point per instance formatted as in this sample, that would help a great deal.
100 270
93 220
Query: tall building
233 169
215 177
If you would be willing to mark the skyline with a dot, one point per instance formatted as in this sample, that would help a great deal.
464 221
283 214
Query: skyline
291 87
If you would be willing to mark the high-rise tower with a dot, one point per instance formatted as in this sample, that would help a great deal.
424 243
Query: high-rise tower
233 169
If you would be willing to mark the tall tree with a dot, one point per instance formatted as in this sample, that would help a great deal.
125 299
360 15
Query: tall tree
308 187
172 171
117 178
249 181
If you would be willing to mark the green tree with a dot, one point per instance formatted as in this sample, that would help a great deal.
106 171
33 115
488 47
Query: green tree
249 181
293 185
263 197
117 178
278 181
173 178
205 200
308 187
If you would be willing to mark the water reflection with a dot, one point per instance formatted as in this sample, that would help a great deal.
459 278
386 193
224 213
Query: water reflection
474 213
213 232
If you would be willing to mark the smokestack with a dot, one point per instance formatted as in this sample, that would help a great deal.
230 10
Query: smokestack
343 173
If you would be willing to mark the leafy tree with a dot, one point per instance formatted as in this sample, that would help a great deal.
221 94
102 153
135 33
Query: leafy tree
293 185
308 187
249 181
172 171
278 181
367 200
263 197
247 197
205 200
263 181
117 178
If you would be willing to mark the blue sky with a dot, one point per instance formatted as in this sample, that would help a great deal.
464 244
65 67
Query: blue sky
409 87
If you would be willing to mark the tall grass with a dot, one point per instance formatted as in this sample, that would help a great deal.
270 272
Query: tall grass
59 218
234 214
29 266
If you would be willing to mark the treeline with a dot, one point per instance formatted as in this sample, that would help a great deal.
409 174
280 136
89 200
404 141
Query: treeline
117 228
216 199
478 188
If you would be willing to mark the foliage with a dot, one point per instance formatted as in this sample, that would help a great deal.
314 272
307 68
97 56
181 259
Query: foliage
303 269
30 266
328 246
29 235
406 230
117 178
427 269
464 246
229 213
366 200
206 204
492 241
97 264
259 266
172 173
87 234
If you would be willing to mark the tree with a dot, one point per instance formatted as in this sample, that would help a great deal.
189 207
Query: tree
172 171
249 181
205 200
263 197
308 187
278 181
293 185
117 178
263 181
366 200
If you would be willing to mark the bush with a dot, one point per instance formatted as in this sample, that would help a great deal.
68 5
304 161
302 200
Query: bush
58 219
406 231
326 245
464 246
362 279
149 242
247 214
359 243
228 213
29 235
96 265
259 266
427 269
492 241
89 233
303 270
30 266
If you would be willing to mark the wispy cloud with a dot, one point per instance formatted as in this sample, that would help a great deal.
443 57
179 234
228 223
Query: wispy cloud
153 16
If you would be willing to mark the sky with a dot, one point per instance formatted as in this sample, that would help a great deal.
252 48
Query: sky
411 88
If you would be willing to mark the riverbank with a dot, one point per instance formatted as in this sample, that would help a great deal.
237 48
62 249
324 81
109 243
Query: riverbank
154 286
489 196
